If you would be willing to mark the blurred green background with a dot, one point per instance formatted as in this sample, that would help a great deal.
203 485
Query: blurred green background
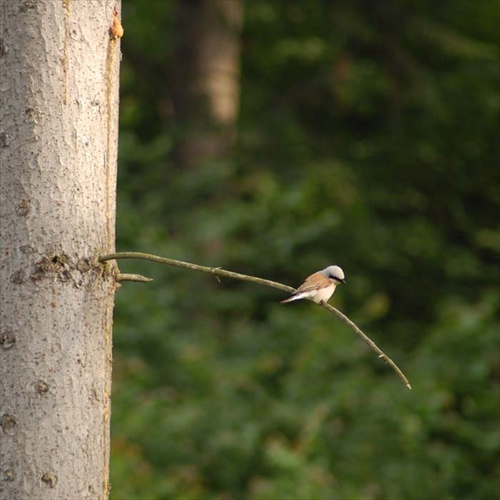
366 136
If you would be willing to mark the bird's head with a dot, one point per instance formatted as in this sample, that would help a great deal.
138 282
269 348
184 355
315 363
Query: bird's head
334 273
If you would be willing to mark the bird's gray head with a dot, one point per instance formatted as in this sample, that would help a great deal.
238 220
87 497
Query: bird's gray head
334 273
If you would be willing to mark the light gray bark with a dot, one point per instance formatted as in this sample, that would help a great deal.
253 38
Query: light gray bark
58 146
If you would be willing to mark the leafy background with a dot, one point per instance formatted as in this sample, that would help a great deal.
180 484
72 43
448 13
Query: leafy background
367 137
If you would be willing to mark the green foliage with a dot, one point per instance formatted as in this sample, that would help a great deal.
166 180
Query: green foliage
367 138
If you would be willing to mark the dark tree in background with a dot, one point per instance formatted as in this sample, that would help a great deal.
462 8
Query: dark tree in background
206 79
367 136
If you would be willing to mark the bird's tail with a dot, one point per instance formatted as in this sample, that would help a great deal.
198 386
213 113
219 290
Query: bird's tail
293 297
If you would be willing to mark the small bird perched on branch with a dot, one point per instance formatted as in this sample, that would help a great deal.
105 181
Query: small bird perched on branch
320 286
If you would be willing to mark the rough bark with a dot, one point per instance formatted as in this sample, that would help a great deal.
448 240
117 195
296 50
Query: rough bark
206 79
58 146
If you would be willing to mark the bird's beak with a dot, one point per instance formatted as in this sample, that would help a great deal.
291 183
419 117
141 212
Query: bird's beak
342 281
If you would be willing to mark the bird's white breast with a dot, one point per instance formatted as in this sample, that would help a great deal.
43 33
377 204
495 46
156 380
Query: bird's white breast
323 294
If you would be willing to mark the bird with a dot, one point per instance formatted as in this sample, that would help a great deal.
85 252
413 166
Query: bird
319 286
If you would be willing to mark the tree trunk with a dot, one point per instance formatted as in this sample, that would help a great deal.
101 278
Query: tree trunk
58 146
206 79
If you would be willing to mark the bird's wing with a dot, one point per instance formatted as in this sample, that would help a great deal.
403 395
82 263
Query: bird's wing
314 282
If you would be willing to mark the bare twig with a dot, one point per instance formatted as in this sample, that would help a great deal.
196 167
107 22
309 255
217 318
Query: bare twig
217 271
369 341
133 277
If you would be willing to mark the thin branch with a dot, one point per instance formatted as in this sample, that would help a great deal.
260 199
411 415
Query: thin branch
369 341
217 271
